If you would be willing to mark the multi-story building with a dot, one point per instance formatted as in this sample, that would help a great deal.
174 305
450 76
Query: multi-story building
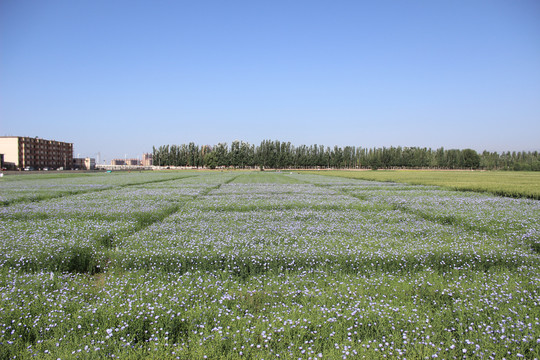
89 163
84 163
78 163
118 162
133 162
147 159
128 162
26 152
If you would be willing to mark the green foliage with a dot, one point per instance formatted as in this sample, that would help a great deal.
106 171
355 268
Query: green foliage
470 159
284 155
211 160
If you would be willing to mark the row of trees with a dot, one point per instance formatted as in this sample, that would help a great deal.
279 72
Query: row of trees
283 155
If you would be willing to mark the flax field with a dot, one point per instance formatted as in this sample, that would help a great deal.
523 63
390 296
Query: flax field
264 265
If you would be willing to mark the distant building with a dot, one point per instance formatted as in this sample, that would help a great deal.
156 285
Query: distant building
147 159
129 162
90 163
84 163
133 162
78 163
26 152
118 162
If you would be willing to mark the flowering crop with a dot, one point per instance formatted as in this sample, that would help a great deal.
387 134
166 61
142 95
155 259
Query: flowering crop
17 188
226 265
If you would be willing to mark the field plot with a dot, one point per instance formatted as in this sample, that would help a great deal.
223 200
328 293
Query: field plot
239 265
518 184
21 188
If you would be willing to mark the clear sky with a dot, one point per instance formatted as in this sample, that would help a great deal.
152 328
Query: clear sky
118 77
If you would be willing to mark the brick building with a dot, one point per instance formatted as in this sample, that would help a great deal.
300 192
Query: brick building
27 152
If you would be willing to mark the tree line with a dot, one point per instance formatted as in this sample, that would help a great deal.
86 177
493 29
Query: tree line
275 154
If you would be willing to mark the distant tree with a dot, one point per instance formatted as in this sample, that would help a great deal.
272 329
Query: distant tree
439 158
277 154
210 160
453 159
470 159
221 153
235 158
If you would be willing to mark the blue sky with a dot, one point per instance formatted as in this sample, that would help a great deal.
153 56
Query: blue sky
118 77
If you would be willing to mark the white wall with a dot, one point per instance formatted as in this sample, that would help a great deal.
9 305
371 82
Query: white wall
10 148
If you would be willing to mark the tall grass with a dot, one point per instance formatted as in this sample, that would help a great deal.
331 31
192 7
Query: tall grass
518 184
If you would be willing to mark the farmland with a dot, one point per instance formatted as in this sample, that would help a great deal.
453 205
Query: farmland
505 183
263 265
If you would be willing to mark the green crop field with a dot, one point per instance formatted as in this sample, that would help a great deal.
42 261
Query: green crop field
505 183
265 265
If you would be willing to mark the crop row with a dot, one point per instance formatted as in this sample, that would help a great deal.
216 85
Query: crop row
188 223
309 314
250 265
21 188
